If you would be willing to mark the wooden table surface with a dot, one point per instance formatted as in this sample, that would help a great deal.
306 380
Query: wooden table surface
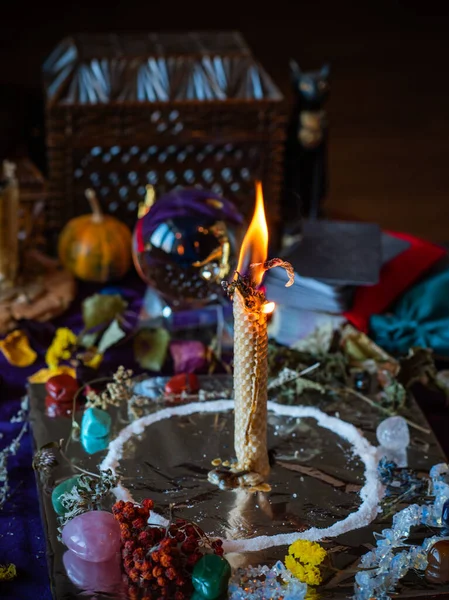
389 109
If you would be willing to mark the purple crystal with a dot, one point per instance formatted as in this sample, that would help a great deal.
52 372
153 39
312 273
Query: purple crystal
101 576
93 536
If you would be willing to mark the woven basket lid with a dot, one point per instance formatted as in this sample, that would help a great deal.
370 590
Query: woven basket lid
147 68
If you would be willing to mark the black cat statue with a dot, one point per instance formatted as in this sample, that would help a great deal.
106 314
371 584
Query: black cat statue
306 178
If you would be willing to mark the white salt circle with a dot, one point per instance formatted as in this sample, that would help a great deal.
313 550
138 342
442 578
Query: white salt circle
371 493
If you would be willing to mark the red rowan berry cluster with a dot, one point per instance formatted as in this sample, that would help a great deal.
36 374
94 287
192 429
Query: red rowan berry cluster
158 561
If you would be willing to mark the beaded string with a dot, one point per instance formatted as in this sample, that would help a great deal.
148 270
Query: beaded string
260 583
385 567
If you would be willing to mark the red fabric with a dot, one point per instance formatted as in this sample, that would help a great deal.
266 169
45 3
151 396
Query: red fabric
395 278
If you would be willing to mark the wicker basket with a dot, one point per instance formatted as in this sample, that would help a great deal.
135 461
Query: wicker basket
169 110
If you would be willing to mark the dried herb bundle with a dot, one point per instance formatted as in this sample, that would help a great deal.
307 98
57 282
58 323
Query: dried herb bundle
88 494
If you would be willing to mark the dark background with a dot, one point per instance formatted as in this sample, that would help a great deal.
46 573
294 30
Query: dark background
389 106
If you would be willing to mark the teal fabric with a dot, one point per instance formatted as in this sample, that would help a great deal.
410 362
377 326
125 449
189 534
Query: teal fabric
420 318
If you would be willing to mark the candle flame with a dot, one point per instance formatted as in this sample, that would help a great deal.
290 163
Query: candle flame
255 242
268 308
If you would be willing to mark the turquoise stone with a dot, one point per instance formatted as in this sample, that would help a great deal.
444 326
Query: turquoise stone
61 488
96 423
210 576
92 445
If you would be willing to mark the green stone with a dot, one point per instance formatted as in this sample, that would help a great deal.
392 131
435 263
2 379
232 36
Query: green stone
96 423
210 576
92 445
62 488
198 596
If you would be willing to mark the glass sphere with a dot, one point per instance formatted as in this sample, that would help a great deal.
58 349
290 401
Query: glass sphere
186 245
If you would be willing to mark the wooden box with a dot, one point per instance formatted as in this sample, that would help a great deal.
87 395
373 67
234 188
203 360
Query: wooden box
163 109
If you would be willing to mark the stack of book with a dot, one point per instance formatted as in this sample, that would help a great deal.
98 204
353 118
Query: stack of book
331 260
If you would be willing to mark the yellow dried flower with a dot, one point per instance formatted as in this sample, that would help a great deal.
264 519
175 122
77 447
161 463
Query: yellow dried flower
60 347
17 350
303 560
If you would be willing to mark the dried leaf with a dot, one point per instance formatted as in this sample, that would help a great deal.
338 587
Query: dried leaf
418 366
43 375
92 358
102 309
393 396
17 350
8 572
111 336
150 348
358 347
87 340
189 356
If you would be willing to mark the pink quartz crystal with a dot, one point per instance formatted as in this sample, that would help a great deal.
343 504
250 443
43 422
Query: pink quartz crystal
100 577
94 536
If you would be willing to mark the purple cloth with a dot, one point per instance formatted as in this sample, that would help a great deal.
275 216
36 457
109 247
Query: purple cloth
22 539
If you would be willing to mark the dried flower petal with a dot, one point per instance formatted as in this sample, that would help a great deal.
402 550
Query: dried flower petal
92 359
43 375
8 572
189 356
17 350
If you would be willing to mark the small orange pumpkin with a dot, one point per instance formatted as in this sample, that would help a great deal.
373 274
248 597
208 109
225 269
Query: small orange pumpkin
95 247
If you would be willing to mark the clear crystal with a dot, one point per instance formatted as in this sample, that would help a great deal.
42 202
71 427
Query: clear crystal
393 433
400 564
260 583
363 578
418 558
380 582
437 470
368 560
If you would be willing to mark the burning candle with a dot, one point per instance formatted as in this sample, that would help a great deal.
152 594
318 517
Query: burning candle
251 312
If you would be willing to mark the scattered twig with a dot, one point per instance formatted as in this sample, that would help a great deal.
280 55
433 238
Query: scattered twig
317 474
384 410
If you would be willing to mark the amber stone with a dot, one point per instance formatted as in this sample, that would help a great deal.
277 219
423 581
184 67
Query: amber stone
438 563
